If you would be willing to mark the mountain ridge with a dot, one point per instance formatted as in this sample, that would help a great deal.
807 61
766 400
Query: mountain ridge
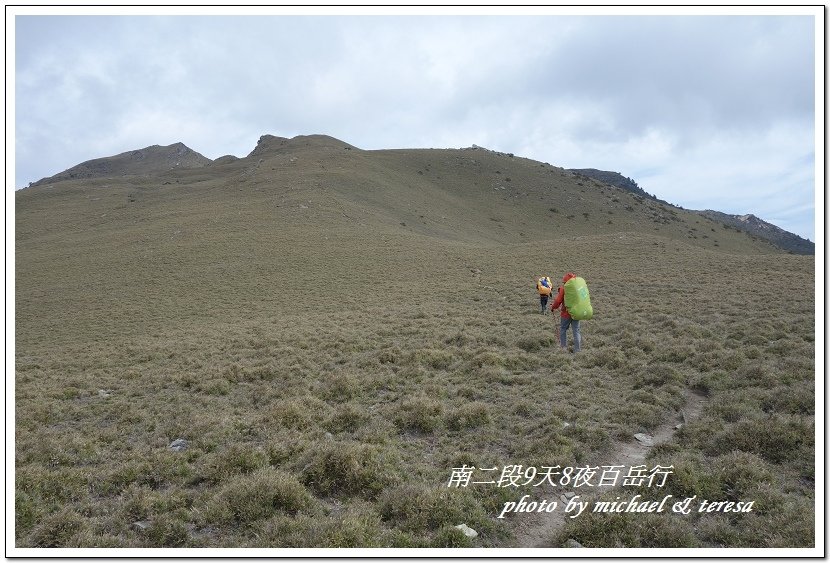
758 227
273 154
781 238
613 178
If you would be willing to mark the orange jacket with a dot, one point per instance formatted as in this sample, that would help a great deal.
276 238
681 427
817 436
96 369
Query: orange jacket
559 301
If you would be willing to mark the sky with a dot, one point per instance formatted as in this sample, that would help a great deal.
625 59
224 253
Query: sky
705 111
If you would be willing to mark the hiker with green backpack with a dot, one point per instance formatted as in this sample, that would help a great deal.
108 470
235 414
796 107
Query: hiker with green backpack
574 303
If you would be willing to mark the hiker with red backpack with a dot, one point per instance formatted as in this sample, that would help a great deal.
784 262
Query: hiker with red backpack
574 304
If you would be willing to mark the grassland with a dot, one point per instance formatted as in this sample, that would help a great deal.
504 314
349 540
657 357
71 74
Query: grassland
330 352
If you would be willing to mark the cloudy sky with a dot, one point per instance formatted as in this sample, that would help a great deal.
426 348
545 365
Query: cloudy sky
705 111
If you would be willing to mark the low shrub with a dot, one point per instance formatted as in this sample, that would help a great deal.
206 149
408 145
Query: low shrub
547 449
793 399
297 414
435 359
535 343
659 374
690 477
487 358
356 529
120 477
791 523
296 531
418 414
389 356
637 416
247 498
350 530
608 358
26 513
338 468
469 415
167 530
590 435
235 458
54 487
347 418
57 529
417 508
450 536
777 438
339 386
286 447
731 407
610 530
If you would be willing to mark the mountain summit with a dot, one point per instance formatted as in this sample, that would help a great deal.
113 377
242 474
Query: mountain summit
270 144
141 162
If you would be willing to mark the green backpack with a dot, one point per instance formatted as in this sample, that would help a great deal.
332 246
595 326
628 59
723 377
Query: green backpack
578 300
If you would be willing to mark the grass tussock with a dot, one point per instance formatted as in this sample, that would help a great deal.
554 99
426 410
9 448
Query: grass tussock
247 498
598 530
349 469
417 508
419 414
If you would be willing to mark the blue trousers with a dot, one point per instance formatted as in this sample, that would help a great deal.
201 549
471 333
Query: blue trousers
563 333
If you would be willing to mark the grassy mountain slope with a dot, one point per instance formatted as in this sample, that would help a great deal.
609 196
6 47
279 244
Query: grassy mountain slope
752 225
333 330
209 225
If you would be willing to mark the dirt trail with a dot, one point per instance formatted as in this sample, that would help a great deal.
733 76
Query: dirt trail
538 530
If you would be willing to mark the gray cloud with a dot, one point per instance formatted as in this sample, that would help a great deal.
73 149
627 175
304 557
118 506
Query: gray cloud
703 111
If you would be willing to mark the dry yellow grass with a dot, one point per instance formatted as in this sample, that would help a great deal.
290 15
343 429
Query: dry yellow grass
333 340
